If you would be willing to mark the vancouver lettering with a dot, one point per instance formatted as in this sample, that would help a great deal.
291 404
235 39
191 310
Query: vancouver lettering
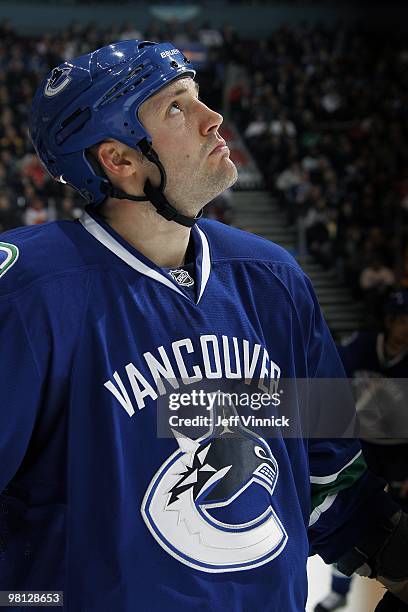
185 362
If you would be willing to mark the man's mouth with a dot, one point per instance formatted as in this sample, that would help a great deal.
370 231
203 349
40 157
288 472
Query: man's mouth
221 147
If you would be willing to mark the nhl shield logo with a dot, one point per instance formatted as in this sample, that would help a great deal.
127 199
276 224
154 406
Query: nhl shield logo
182 277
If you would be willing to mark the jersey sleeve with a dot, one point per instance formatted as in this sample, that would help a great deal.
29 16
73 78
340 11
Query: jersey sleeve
20 389
347 500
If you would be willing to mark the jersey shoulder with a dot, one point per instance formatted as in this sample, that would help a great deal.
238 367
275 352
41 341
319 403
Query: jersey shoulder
35 252
228 242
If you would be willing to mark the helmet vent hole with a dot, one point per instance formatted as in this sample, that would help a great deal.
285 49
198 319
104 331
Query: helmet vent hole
72 117
126 124
135 71
174 64
145 43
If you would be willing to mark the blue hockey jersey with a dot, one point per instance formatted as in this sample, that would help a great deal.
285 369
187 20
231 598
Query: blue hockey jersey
93 337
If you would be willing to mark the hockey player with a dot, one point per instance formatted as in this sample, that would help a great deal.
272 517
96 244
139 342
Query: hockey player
103 320
370 358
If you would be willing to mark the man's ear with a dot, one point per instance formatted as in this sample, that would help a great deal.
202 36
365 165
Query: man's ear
116 158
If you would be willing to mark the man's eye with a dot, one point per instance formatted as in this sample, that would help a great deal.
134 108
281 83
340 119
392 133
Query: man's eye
174 108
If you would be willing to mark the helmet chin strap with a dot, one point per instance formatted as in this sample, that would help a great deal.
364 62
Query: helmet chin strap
155 195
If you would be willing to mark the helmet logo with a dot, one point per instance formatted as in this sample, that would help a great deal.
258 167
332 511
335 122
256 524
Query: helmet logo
169 53
58 81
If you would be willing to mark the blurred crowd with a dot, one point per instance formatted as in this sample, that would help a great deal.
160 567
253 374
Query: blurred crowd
324 111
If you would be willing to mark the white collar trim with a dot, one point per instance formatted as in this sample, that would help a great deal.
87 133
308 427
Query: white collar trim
206 263
98 232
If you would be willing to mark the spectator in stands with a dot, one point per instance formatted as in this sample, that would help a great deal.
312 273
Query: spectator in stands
290 177
257 127
375 280
9 215
282 126
35 212
376 277
69 210
318 239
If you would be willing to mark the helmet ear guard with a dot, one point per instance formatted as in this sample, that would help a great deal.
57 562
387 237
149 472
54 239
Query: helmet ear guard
97 97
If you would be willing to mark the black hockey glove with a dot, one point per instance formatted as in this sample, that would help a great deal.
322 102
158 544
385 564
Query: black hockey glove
382 555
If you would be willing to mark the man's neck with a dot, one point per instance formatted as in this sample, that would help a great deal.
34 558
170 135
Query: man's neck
163 242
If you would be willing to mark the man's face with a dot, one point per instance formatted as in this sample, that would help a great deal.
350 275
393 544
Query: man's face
184 134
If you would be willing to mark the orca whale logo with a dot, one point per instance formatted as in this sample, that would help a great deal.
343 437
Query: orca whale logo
58 81
210 505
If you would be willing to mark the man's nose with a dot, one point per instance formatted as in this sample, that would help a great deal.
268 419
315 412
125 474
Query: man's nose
210 120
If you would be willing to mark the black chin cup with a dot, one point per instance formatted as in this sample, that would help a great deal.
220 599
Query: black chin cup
155 195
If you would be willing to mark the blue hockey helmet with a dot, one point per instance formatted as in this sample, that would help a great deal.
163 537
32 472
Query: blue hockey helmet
95 97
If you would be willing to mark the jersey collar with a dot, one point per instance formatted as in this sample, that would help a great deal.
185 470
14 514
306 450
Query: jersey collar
110 239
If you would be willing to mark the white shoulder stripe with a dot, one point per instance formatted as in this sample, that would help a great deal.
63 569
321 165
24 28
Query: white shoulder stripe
318 511
332 477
